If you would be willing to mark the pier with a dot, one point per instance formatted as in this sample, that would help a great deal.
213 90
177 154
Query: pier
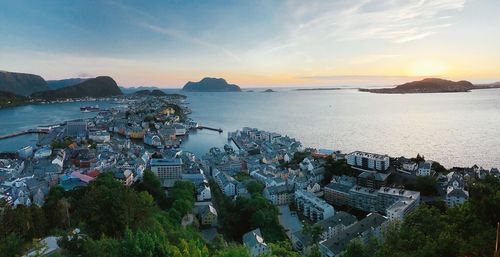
210 128
25 132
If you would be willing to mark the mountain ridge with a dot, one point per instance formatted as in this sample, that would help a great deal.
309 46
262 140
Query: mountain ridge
21 83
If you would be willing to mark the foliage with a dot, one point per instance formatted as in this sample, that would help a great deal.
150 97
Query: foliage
245 214
465 230
425 185
151 184
438 168
337 168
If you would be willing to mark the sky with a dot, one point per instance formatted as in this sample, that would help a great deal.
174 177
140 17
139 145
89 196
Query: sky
253 43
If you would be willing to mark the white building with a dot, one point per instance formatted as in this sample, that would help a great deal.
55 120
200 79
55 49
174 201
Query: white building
369 161
313 207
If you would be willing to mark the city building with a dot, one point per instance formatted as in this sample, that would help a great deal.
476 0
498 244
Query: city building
368 161
167 170
331 227
76 128
372 179
279 195
254 241
372 225
312 206
226 183
337 191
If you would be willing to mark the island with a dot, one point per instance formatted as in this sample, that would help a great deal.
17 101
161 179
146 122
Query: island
430 85
211 85
268 91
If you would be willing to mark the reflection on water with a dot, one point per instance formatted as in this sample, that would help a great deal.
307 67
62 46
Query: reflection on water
457 129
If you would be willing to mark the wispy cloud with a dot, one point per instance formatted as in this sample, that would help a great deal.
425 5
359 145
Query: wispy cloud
398 21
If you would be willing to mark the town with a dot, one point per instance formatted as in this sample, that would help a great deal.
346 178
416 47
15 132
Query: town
325 199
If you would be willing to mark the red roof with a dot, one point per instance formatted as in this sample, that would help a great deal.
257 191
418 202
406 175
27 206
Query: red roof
93 173
82 177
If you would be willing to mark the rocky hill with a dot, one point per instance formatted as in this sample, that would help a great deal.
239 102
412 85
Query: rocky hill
21 83
429 85
211 85
98 87
56 84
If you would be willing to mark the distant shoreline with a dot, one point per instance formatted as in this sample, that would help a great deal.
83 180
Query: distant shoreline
322 89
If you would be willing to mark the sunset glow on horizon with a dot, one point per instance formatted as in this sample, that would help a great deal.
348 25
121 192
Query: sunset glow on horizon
253 43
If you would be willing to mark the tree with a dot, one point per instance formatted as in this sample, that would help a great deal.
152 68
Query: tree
11 246
313 231
356 249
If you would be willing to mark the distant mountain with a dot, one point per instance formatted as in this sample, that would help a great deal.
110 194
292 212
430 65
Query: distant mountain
211 85
98 87
156 92
8 99
21 83
429 85
130 90
56 84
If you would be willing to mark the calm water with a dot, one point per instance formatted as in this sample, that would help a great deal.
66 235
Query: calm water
457 129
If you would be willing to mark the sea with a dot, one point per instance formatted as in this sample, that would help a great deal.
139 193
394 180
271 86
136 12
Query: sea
455 129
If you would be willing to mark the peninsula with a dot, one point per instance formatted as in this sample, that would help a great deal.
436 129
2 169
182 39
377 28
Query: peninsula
211 85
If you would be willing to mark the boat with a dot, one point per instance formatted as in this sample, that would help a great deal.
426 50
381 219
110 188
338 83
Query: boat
90 108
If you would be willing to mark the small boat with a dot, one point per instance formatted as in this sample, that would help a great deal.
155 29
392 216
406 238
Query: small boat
90 108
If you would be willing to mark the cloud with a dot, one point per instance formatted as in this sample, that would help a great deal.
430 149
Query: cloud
179 35
84 75
397 21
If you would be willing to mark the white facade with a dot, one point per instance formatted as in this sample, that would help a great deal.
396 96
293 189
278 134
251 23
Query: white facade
368 160
424 169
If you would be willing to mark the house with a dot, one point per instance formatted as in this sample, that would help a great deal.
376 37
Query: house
254 241
203 193
208 215
424 169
